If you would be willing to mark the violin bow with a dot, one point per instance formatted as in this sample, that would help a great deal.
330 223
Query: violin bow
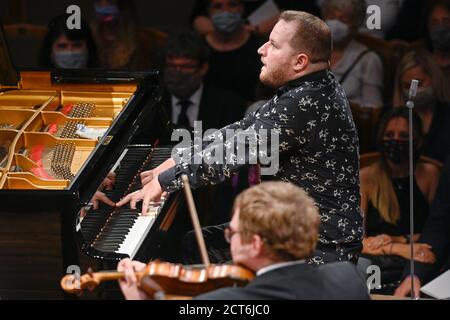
195 221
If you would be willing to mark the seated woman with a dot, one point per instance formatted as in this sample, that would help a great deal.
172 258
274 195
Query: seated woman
385 197
234 63
121 41
437 37
358 69
432 102
65 48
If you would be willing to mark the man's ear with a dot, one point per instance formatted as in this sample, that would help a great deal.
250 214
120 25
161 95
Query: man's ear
257 246
301 62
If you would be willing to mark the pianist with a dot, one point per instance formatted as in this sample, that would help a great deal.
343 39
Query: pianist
318 143
273 229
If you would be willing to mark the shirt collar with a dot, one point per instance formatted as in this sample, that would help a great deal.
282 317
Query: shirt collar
314 76
195 98
278 266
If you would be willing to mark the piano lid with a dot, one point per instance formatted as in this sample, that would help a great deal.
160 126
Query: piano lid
9 76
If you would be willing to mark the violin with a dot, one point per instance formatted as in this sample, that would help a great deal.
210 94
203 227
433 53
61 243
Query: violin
170 279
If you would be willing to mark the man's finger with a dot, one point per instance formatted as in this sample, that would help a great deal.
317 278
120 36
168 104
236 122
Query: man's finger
145 203
146 176
146 173
122 264
137 265
124 200
134 200
103 198
95 203
146 180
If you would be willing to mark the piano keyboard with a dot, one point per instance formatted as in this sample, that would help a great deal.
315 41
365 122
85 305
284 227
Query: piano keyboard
114 233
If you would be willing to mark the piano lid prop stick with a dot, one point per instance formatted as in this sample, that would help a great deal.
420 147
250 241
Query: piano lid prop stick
195 221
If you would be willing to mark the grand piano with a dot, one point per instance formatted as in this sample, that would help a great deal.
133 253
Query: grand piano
62 132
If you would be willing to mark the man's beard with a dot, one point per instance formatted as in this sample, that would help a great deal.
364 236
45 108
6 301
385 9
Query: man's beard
272 78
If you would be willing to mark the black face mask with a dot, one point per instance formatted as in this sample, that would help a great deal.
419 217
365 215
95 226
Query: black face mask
181 85
440 37
396 150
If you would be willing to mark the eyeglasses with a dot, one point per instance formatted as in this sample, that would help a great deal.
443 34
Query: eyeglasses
229 233
187 68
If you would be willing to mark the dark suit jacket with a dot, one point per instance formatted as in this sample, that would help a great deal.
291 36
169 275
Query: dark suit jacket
339 280
218 107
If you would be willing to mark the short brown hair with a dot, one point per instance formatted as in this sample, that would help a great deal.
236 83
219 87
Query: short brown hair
313 35
283 215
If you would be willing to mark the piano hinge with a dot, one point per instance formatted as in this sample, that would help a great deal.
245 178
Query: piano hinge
107 140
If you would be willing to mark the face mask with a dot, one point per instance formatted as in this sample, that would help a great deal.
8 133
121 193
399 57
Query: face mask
339 30
107 13
227 22
181 85
396 150
440 37
70 59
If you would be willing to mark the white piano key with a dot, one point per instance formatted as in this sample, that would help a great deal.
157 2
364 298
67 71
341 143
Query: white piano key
137 233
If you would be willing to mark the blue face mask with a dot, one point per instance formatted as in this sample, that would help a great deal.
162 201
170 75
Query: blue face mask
107 13
70 59
227 22
440 37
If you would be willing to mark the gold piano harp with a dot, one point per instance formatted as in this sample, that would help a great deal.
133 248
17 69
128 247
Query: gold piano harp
40 147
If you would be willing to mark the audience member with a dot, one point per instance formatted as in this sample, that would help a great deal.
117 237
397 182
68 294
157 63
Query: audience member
67 48
121 43
358 69
202 23
234 63
438 34
432 102
385 196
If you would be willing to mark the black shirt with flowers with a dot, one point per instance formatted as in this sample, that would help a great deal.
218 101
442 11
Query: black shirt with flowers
318 151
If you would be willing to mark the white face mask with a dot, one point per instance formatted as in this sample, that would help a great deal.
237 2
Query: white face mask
70 59
339 30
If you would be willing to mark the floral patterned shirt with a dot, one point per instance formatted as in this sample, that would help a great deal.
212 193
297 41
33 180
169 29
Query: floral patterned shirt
318 151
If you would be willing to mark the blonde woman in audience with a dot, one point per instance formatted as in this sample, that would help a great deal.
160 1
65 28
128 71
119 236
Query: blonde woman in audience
385 197
358 69
432 102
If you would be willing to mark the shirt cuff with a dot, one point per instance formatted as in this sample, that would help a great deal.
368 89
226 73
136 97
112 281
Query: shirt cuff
167 178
